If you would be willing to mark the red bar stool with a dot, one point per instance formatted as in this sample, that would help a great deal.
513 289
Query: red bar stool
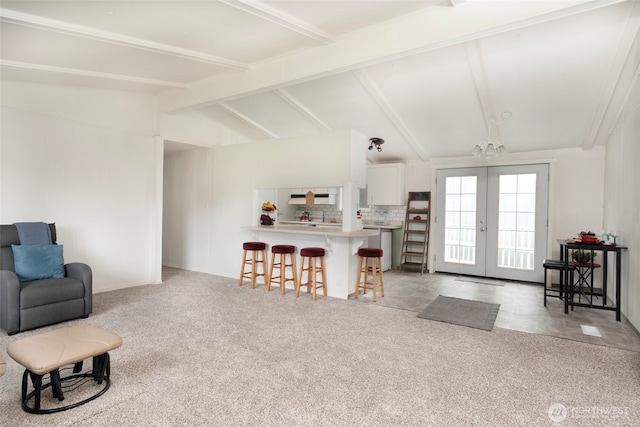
375 254
314 259
255 248
282 251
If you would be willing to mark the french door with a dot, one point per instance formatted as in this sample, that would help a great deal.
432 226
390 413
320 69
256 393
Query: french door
492 221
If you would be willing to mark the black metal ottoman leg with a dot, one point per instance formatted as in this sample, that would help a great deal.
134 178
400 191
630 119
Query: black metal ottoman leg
56 386
36 380
108 367
101 367
25 383
545 287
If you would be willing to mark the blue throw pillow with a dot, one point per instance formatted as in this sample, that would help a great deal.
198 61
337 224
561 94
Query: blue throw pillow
34 262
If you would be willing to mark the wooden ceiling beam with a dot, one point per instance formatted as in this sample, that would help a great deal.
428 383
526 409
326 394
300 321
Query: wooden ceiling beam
604 119
238 115
300 108
389 111
274 16
89 73
46 24
476 64
429 29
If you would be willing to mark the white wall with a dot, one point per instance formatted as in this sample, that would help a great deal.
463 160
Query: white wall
85 159
575 194
186 207
419 176
622 193
195 128
209 193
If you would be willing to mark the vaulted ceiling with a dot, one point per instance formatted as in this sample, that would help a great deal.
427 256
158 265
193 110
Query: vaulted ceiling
429 77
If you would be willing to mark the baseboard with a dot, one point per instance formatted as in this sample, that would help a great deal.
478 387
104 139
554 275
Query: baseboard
121 286
633 328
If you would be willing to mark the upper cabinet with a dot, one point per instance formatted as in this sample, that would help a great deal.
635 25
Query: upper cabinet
386 184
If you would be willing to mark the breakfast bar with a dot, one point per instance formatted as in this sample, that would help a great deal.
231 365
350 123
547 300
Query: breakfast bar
341 250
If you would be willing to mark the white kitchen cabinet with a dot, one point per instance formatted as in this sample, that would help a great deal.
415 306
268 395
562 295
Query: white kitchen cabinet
386 184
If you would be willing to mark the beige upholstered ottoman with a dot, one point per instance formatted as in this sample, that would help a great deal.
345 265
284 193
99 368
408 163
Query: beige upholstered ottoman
46 353
3 365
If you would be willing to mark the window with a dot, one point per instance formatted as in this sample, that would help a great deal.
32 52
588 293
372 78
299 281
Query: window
460 219
517 221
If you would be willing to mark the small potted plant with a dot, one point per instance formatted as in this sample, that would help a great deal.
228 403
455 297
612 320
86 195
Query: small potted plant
581 257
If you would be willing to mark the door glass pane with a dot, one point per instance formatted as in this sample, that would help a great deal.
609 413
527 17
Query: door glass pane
516 221
460 219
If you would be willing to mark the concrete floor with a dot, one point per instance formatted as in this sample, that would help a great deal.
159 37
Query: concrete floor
521 306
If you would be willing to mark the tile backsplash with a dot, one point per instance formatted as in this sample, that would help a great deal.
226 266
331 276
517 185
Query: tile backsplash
376 214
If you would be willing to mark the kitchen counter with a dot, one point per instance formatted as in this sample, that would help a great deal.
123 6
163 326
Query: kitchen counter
317 228
341 249
383 227
390 226
311 223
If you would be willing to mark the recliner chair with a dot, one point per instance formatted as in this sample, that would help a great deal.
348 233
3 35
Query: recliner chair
36 303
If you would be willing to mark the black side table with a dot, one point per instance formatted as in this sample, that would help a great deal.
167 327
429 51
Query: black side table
585 278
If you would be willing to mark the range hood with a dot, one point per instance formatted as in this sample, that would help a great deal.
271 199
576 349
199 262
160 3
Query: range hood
318 199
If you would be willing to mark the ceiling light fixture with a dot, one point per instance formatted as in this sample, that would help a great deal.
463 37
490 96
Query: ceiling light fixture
376 142
491 148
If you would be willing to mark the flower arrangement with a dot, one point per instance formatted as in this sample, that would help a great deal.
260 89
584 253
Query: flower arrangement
268 207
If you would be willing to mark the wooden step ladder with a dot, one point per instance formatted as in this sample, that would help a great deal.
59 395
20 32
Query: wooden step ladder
415 242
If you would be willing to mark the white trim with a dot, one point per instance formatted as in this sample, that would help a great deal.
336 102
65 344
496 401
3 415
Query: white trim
299 107
237 114
471 163
274 16
155 223
87 73
635 78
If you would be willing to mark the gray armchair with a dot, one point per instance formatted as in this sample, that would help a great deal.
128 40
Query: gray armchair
36 303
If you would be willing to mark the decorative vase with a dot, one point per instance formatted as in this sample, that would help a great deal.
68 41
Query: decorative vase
266 218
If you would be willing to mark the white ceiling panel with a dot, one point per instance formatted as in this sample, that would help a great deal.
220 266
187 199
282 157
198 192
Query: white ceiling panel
272 112
340 17
343 102
231 121
426 76
35 46
209 27
551 77
435 94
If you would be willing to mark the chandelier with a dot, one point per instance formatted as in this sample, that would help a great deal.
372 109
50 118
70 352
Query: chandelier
491 148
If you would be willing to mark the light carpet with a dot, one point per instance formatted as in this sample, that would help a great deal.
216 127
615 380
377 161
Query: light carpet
200 351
